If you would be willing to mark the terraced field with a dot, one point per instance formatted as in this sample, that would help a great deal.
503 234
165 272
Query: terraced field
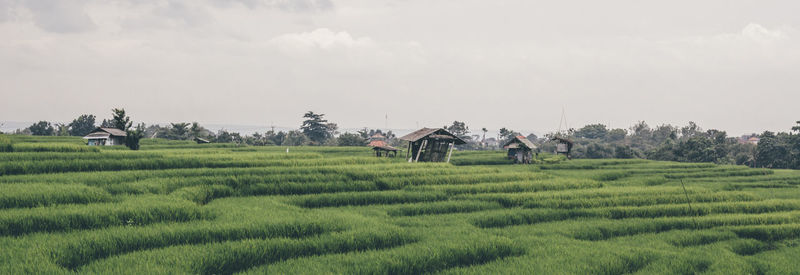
177 207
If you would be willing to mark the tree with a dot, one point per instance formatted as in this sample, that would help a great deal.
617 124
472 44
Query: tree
641 129
120 120
295 138
598 151
616 135
107 123
316 128
690 130
459 129
664 132
227 137
624 152
197 131
276 138
42 128
592 131
772 151
350 139
81 126
484 130
506 134
133 136
61 130
178 130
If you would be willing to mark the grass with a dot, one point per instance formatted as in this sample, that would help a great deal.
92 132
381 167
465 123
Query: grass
18 195
177 207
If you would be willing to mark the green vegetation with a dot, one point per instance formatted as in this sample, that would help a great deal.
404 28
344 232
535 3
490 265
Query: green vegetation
176 207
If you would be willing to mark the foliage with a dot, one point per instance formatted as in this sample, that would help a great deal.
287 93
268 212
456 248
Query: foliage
296 138
82 126
42 128
120 120
316 128
459 129
349 139
506 135
178 131
228 137
133 137
592 131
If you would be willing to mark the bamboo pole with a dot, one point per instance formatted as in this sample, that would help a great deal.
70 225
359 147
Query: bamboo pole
419 152
450 153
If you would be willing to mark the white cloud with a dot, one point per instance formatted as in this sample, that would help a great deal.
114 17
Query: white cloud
322 39
758 33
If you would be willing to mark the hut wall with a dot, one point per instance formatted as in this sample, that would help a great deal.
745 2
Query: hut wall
434 150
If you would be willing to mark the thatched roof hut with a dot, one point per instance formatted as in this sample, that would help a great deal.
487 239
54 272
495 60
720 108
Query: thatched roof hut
520 149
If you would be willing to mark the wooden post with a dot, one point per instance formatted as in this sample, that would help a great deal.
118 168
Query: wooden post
408 151
419 152
450 153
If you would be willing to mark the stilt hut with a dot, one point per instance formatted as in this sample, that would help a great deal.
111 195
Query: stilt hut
431 145
380 147
563 145
520 149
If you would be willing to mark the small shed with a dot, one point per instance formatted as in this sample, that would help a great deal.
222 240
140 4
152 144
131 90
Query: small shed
563 145
520 149
431 145
106 136
380 147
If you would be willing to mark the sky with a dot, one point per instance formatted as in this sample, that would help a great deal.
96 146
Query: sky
732 65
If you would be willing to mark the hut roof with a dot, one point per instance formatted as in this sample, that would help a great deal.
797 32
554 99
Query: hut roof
560 139
106 132
519 141
377 143
377 135
435 133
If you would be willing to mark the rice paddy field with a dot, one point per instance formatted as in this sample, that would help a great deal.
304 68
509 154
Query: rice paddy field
176 207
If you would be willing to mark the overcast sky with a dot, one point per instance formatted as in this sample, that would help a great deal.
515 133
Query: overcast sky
727 64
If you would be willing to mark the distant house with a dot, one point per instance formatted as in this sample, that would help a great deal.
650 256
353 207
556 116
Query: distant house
749 139
106 136
520 149
380 147
431 145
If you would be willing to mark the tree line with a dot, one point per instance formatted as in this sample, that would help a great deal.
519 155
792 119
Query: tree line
689 143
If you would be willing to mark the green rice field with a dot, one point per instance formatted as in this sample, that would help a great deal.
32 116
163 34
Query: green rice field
176 207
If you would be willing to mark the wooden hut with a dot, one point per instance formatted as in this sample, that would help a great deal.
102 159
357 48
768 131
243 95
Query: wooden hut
431 145
563 145
106 136
520 149
380 147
